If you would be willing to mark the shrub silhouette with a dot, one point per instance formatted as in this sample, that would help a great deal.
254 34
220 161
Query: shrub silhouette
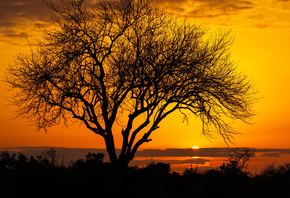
91 160
273 181
48 158
42 176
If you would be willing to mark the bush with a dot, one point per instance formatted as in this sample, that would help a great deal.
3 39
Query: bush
44 176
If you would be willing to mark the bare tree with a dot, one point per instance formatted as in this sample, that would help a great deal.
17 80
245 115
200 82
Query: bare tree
126 59
237 160
241 156
49 158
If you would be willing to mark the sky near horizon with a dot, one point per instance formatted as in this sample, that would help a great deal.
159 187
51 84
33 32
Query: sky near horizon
261 50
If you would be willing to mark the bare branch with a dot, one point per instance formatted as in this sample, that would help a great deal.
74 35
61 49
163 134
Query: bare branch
106 60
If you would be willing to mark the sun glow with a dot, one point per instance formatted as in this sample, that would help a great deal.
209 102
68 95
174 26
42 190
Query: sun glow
195 147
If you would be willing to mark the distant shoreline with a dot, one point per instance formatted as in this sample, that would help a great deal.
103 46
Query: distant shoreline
179 159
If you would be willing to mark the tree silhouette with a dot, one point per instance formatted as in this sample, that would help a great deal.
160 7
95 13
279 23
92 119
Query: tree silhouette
113 62
237 160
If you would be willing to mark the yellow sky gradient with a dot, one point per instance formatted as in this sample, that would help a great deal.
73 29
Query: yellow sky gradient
261 49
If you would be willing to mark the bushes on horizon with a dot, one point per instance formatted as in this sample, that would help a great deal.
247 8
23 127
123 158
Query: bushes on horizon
20 176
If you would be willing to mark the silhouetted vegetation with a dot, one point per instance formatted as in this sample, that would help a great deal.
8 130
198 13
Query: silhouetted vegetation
44 176
105 60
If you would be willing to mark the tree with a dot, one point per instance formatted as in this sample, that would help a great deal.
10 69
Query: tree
241 156
125 59
237 160
49 158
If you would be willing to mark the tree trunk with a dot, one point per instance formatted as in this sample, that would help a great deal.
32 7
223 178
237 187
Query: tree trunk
110 146
119 166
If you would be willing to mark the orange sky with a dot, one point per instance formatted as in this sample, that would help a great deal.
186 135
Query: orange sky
261 50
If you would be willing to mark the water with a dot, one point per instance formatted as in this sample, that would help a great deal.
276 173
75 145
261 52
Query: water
179 159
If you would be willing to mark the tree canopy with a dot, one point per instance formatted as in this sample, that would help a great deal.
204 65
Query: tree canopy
116 59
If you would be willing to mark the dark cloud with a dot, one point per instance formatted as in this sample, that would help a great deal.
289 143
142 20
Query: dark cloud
260 21
262 26
175 2
279 151
186 161
258 17
270 155
177 9
208 8
18 17
13 12
13 34
226 5
203 152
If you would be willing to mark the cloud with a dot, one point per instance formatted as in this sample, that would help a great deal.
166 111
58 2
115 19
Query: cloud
13 12
170 161
261 21
207 8
210 9
258 17
279 151
14 34
270 155
203 152
226 5
169 2
18 18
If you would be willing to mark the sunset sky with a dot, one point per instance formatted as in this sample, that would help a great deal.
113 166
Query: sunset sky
261 49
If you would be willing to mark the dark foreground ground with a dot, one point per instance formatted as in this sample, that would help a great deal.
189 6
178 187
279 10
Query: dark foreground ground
43 176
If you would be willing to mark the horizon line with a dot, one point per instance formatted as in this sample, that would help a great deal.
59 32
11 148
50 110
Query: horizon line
159 149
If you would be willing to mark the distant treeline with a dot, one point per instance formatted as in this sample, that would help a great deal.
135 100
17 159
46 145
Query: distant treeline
45 176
